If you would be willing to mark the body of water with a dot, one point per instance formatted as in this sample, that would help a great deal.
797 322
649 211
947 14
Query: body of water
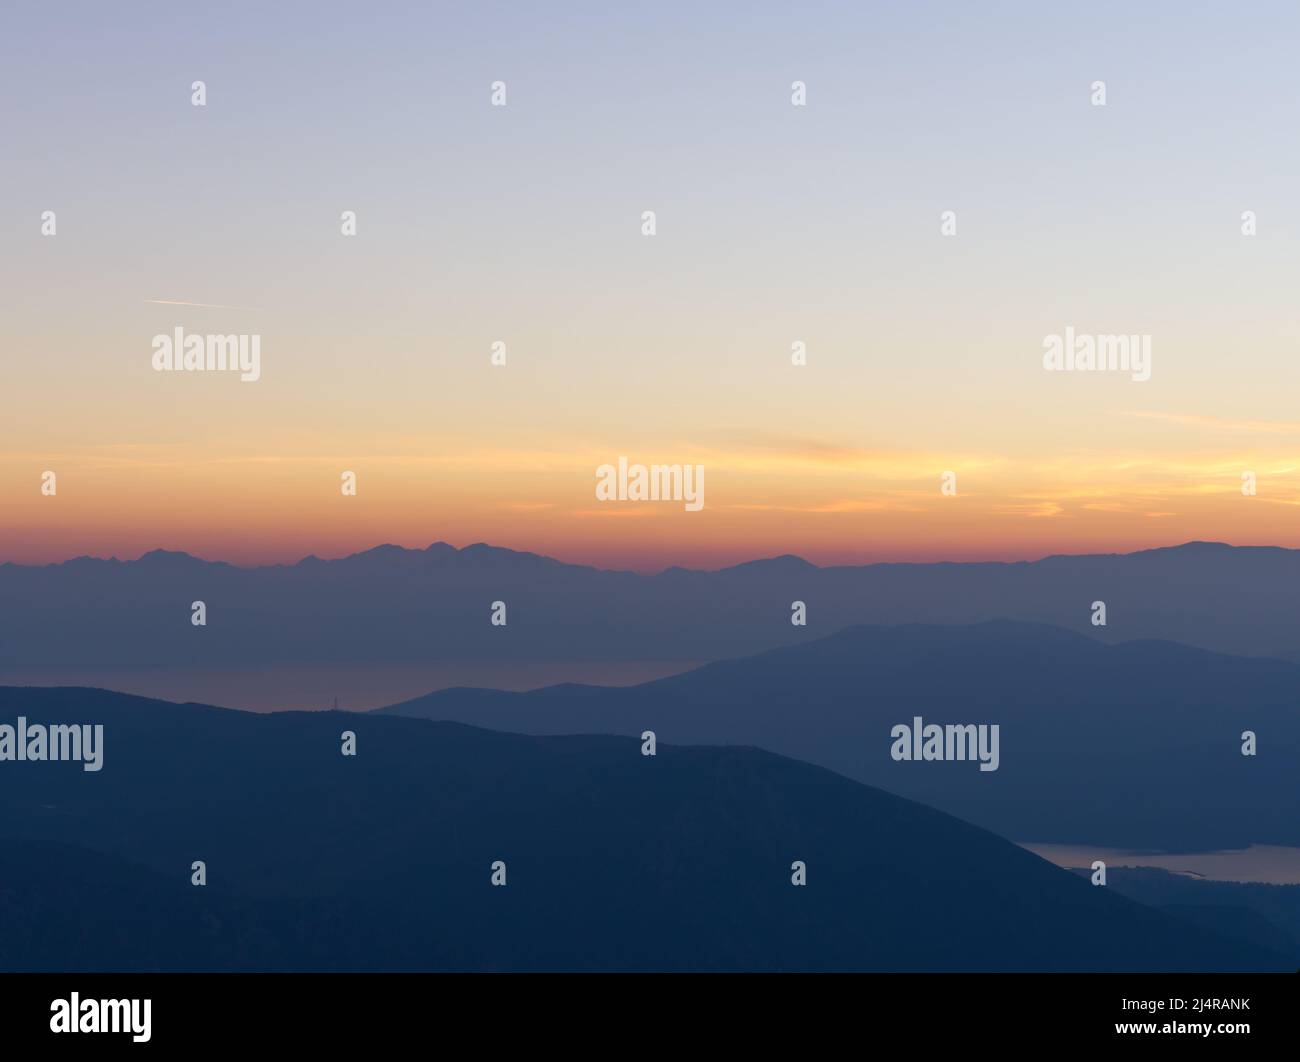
1269 864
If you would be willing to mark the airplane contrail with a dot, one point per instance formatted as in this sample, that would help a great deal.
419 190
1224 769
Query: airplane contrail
204 305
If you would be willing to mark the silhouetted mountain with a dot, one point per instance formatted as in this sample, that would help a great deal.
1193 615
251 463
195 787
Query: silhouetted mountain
394 606
1130 745
614 860
1266 915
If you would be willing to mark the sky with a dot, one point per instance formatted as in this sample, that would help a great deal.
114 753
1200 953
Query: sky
775 224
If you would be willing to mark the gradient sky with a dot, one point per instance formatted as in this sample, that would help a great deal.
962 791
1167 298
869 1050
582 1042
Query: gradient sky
521 223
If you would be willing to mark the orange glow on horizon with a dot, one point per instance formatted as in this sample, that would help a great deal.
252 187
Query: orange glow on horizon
828 506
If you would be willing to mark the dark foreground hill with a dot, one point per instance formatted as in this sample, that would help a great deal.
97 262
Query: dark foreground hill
1130 745
1268 915
614 860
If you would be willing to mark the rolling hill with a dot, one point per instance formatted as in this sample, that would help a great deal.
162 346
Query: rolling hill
614 860
1135 745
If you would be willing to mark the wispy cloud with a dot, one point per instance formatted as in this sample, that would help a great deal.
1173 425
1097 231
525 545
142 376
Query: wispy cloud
841 505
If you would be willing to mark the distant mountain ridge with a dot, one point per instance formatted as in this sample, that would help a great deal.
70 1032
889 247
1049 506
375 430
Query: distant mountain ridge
1132 745
391 606
614 860
441 550
434 553
445 552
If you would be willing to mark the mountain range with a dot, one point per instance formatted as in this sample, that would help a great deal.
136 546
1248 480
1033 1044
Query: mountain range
614 860
390 607
1132 745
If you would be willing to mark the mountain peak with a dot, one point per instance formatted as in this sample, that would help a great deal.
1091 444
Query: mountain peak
786 562
171 556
